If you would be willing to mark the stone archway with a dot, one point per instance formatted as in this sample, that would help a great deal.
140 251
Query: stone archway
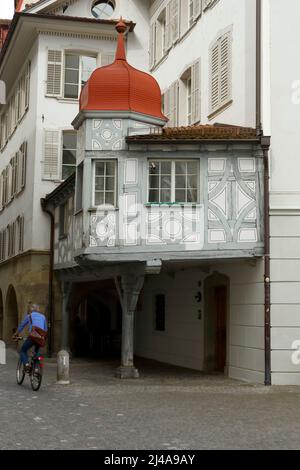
1 315
11 314
216 322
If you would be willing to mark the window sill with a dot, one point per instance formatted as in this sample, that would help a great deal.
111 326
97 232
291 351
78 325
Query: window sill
219 110
160 61
172 204
103 208
61 99
78 212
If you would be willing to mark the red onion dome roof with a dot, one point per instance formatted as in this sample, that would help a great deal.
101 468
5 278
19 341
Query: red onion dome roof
121 87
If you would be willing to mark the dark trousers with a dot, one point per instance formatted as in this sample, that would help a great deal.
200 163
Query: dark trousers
26 346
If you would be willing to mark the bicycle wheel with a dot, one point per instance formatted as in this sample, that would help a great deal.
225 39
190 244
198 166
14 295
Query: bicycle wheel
20 372
36 376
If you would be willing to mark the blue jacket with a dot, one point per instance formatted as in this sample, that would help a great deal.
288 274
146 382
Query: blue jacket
38 319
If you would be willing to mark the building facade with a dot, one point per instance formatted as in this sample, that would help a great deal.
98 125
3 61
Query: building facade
220 300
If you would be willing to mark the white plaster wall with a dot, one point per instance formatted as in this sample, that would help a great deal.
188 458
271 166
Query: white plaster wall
136 11
246 331
281 101
240 14
285 298
182 343
23 203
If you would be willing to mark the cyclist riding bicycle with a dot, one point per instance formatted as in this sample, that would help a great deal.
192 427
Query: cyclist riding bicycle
33 318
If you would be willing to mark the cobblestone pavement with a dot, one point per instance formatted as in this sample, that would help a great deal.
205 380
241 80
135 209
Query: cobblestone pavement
167 408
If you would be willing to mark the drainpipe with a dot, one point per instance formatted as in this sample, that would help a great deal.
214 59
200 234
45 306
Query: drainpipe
265 145
50 282
258 67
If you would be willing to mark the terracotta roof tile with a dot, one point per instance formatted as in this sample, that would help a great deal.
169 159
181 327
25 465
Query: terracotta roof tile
199 132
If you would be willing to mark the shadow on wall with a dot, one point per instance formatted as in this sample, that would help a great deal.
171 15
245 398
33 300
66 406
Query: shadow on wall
1 315
216 322
11 314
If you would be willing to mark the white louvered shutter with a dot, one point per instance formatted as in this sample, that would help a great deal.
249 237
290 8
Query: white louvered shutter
174 104
175 18
196 9
9 181
106 59
168 27
20 234
152 45
215 71
27 86
196 108
1 192
54 73
51 154
23 164
225 69
166 100
158 41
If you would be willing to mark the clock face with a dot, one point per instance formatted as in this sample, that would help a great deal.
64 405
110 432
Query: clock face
103 9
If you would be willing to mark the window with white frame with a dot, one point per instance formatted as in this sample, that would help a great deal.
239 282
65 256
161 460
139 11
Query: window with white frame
63 219
59 160
78 69
220 72
69 154
67 71
164 31
171 104
16 107
173 181
190 11
190 96
105 185
13 177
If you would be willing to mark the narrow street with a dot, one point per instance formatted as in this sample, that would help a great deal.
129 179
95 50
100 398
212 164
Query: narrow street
167 408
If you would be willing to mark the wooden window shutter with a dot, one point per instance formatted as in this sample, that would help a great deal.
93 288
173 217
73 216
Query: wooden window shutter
20 235
1 192
196 9
174 104
23 164
215 72
27 86
158 42
9 181
169 24
152 45
196 108
175 15
166 100
54 73
4 243
225 69
51 168
13 175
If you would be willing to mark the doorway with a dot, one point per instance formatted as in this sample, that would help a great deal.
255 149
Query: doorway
96 332
216 291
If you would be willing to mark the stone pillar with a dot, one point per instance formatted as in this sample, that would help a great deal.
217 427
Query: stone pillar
2 353
63 368
66 289
131 288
